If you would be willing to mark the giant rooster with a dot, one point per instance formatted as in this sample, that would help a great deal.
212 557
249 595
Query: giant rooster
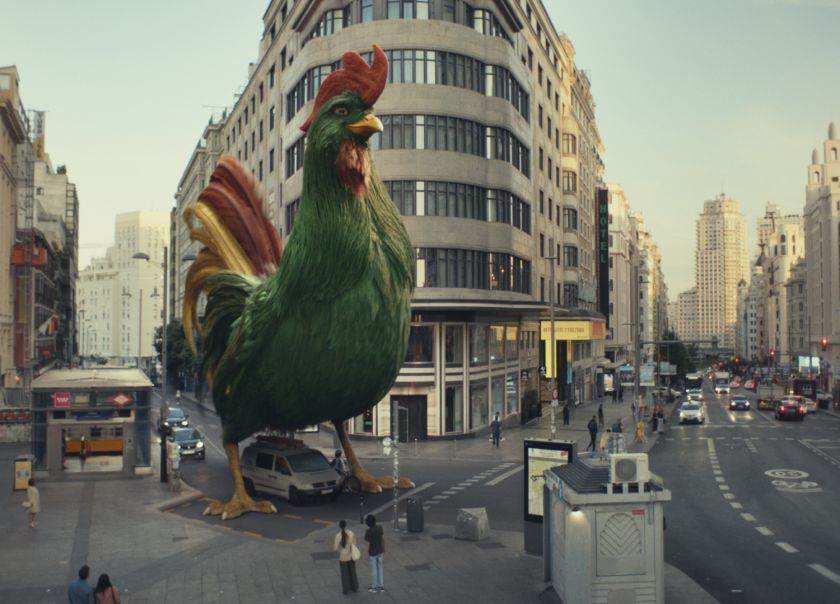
317 331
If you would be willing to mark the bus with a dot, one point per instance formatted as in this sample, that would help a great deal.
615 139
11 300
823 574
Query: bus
693 381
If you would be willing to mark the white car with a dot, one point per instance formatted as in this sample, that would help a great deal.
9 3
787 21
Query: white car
694 394
722 388
691 411
291 473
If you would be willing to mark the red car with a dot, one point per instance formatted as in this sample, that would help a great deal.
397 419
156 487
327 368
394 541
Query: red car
790 408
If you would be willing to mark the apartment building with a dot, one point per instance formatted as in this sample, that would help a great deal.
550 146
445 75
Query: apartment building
623 275
797 315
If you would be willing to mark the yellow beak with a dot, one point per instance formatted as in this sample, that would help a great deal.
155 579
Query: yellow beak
366 126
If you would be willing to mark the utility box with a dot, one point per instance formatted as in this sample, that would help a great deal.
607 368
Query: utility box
604 533
414 514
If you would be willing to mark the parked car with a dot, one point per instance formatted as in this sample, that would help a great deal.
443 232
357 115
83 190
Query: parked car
789 408
190 442
291 473
691 411
749 384
175 418
739 402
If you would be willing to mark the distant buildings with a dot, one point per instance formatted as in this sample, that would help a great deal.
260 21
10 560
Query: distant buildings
120 298
822 239
686 320
721 262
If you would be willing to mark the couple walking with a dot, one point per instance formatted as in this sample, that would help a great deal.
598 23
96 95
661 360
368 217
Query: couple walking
348 554
80 591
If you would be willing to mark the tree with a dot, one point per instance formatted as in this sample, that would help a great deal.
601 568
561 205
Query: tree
679 355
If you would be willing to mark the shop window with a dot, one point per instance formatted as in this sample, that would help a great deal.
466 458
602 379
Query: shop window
421 344
478 404
454 345
497 390
511 393
478 345
454 408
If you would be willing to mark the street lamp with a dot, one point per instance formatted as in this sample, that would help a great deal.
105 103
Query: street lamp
164 264
553 344
127 294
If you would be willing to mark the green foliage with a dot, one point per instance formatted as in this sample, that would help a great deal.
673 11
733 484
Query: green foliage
179 356
678 355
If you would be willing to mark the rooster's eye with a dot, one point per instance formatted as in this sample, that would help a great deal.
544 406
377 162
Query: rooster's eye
341 110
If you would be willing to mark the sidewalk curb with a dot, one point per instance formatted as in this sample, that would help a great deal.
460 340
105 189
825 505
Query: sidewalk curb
189 496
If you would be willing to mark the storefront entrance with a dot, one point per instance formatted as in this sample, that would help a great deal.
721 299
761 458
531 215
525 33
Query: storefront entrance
412 417
93 447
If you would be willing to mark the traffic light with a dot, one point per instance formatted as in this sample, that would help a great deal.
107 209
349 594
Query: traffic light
824 343
772 354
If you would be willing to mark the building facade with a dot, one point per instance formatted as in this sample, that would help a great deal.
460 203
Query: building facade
14 132
492 155
120 297
623 275
686 325
797 315
721 262
822 239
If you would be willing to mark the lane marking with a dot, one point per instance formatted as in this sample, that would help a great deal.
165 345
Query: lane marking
831 576
729 495
502 477
432 502
736 505
293 516
748 517
764 530
723 487
450 492
720 479
787 547
440 497
456 489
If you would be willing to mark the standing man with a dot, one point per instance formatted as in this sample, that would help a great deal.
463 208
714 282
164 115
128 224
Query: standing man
375 537
80 591
600 416
593 431
496 430
566 414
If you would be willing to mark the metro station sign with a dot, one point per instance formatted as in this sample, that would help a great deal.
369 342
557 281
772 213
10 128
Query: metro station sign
61 400
122 399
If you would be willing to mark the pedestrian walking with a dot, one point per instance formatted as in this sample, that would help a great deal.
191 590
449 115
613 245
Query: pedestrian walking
80 591
641 437
661 423
621 395
496 430
602 446
375 537
83 452
600 416
348 553
32 503
592 426
106 592
633 410
566 413
655 422
615 394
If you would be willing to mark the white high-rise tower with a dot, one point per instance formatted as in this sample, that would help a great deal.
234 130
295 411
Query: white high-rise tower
720 264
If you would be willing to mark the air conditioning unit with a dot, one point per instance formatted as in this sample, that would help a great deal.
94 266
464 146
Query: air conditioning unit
629 467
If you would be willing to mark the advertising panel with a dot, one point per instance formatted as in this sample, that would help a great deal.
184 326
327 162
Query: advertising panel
542 455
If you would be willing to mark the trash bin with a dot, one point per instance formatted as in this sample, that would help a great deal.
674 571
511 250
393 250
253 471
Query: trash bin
414 514
23 472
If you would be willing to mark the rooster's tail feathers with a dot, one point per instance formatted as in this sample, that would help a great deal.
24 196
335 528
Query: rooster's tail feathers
230 221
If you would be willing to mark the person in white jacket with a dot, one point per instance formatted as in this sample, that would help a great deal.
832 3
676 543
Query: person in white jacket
33 502
348 553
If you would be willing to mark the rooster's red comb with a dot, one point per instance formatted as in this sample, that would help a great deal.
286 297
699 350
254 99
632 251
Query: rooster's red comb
356 76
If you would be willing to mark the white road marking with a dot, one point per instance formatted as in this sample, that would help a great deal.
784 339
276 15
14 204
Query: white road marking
748 517
764 530
472 480
502 477
432 502
787 547
440 497
729 495
716 472
831 576
457 488
723 487
736 505
720 479
405 495
448 492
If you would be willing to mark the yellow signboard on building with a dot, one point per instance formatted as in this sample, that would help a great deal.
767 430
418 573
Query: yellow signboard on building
573 330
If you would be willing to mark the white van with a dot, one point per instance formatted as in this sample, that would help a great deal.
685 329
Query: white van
291 473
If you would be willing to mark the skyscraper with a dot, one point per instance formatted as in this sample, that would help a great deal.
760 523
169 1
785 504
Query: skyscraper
720 264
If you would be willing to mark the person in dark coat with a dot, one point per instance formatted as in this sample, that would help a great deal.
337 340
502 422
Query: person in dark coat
566 413
496 430
592 426
655 422
600 416
375 537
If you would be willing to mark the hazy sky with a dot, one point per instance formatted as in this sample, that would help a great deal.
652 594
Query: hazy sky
693 98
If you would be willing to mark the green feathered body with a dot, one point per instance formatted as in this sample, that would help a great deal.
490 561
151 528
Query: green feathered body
323 337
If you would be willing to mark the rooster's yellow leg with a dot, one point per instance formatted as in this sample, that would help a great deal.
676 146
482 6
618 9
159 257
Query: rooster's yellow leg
240 503
370 484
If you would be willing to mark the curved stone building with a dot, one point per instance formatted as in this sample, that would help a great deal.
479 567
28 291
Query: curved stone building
490 152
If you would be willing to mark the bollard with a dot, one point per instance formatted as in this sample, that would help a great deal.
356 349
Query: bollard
415 448
361 509
455 448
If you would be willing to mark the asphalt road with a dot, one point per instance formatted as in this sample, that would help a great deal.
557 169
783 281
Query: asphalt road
754 515
444 486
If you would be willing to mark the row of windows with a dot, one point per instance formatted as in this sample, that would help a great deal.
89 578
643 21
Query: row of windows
423 67
294 156
446 133
459 200
439 267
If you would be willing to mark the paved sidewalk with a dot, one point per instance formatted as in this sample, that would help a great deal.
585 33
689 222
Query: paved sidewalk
117 526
